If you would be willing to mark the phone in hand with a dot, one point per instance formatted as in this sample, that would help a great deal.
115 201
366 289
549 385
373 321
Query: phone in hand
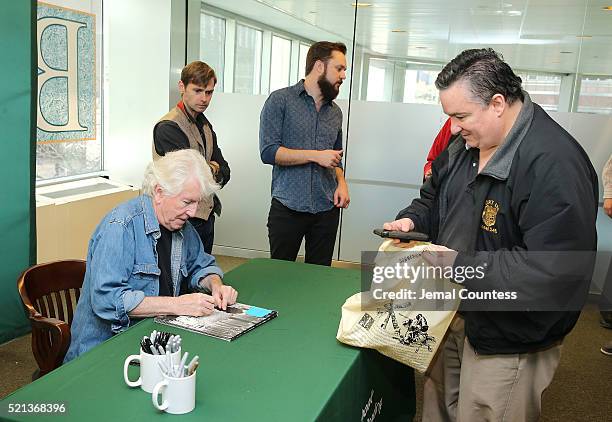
403 236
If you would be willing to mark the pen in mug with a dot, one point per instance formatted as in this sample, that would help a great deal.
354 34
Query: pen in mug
192 365
146 345
181 368
190 371
163 367
168 362
176 344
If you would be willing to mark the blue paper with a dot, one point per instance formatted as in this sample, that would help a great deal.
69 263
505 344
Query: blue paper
258 312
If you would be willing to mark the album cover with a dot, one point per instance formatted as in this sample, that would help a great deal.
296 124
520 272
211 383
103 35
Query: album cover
226 325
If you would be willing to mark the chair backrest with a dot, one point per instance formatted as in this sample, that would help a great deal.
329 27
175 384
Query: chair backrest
52 289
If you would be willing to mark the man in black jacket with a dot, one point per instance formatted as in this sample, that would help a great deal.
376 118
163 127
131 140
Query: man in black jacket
515 195
185 126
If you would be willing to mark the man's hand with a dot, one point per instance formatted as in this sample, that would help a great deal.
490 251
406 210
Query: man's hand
214 167
224 295
194 304
402 225
607 206
341 195
328 158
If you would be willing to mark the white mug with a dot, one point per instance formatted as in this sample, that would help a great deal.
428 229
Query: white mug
178 394
150 372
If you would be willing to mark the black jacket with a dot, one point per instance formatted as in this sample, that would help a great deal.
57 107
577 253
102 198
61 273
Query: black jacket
538 194
167 136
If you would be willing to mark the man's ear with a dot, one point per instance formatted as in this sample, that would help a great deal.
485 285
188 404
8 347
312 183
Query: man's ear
320 67
158 193
181 87
499 104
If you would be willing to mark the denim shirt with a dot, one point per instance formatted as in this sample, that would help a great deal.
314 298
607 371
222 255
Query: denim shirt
122 270
290 119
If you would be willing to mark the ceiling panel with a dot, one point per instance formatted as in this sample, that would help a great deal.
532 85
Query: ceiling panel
544 35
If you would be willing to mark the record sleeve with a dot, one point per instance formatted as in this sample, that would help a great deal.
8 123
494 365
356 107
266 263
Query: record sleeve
226 325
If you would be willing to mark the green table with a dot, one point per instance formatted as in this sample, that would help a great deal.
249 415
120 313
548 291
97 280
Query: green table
290 369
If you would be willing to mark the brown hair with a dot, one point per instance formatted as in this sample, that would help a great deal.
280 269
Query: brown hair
322 50
198 73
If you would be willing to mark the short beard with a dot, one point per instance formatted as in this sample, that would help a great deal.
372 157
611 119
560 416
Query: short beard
328 90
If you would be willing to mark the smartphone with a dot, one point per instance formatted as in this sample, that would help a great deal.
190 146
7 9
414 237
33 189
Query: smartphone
405 236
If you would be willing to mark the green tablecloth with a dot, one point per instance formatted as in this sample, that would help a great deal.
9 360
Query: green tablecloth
289 369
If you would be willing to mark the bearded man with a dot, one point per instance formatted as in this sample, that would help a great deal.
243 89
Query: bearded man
300 135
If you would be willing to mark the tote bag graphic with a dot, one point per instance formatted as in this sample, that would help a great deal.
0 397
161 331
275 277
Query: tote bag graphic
394 327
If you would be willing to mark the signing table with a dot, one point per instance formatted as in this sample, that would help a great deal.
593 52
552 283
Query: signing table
289 369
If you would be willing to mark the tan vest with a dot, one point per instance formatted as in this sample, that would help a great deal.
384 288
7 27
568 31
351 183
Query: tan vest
189 128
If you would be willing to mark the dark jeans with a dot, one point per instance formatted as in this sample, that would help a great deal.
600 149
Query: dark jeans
287 228
206 230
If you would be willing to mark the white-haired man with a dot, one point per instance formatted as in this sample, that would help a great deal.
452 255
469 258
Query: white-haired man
141 252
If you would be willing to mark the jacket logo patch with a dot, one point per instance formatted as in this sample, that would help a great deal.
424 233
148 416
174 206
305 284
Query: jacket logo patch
489 216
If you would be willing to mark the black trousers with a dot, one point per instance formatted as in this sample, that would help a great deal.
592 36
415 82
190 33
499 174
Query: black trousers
287 228
206 230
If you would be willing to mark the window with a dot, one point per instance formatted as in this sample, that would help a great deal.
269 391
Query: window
253 57
280 63
543 88
302 61
595 95
247 60
65 159
420 86
380 80
392 80
212 45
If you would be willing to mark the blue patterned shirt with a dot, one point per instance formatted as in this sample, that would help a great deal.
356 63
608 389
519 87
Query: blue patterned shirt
290 119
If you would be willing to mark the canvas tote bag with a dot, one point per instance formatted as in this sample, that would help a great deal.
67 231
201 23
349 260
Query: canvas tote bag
393 327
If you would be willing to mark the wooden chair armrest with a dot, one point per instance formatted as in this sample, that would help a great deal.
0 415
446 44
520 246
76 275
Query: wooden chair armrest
50 341
48 323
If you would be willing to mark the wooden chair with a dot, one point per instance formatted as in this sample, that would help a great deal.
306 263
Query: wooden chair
50 293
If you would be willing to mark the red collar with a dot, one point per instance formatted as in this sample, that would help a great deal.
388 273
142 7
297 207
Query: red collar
180 105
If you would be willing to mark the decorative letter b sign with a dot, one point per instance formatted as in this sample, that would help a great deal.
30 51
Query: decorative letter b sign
66 75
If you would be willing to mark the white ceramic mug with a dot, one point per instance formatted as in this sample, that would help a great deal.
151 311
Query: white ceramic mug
150 372
178 394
